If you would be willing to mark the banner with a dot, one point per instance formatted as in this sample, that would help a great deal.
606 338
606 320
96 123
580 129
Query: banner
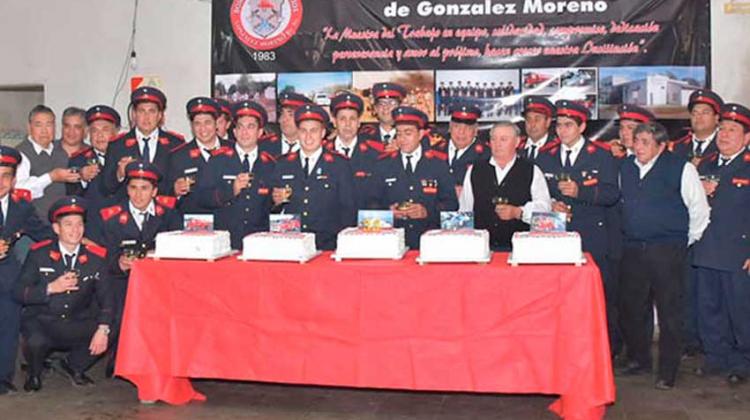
600 53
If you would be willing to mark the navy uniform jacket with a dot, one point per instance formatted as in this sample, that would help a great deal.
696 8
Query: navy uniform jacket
21 217
684 147
726 242
45 263
363 160
93 192
247 212
271 144
187 159
116 224
595 173
476 151
324 200
127 145
521 149
431 185
372 131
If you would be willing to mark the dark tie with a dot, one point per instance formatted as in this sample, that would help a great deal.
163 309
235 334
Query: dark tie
101 157
306 167
724 162
697 151
532 151
409 168
386 138
455 156
289 146
2 217
567 158
146 151
246 163
69 258
346 151
144 219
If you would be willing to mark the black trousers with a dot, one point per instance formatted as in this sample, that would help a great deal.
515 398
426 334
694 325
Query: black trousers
653 271
41 336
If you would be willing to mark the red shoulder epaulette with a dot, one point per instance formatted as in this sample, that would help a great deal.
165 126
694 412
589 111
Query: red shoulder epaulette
376 145
550 145
82 152
110 212
479 148
522 143
267 157
292 156
385 155
19 194
179 147
223 150
367 129
119 136
602 145
272 137
97 250
166 201
746 158
40 244
434 154
332 155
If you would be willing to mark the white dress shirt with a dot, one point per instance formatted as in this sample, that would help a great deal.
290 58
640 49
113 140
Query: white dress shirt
538 144
4 207
540 198
206 150
286 147
705 143
313 159
138 215
390 134
729 159
251 156
693 196
153 142
76 252
339 145
24 180
452 150
575 150
415 156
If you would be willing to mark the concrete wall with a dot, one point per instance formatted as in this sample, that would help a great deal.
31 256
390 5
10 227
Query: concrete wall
76 49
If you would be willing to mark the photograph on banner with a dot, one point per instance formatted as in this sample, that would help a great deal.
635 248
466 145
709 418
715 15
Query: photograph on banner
258 87
495 92
319 87
571 83
419 84
664 90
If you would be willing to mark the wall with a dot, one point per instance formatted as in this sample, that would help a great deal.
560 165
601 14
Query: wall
76 48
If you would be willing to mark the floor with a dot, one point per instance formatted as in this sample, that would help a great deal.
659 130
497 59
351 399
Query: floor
694 398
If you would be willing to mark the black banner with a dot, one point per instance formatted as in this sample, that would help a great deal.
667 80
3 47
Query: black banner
669 38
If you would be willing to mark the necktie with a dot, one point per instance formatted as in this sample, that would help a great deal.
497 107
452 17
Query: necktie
386 138
532 151
306 167
144 219
100 156
69 258
724 162
567 158
246 163
455 156
2 217
698 150
409 168
146 151
289 146
346 151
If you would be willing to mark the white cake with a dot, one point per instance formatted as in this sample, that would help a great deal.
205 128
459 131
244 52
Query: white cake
457 245
276 246
202 245
370 243
546 248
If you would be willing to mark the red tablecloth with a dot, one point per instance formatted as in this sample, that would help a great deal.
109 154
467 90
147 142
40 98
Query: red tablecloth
379 324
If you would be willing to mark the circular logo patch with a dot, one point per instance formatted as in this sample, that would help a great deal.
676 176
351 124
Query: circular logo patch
265 24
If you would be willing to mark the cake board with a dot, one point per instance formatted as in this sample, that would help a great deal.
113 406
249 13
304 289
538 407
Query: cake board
514 263
338 258
302 260
485 260
211 258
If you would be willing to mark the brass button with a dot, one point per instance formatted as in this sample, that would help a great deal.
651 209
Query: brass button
307 188
304 213
305 201
411 188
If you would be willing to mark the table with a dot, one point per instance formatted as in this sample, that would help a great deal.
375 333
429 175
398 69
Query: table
375 324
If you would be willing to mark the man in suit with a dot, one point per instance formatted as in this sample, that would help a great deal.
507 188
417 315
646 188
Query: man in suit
664 211
538 113
66 297
704 106
104 124
385 98
236 182
582 179
17 217
188 160
722 257
128 229
361 150
464 148
321 182
504 175
413 182
146 141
